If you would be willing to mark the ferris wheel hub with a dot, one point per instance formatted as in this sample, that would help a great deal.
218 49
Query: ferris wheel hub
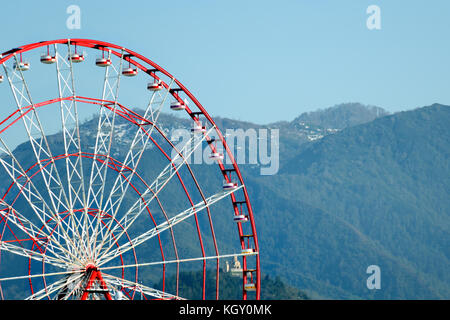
90 267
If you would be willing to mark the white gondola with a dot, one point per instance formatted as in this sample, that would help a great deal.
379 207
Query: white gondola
177 105
216 156
76 58
236 272
48 59
22 66
103 62
250 287
247 251
236 269
198 128
154 86
1 78
229 185
129 72
240 218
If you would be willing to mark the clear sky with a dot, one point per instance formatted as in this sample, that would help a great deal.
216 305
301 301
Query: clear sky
265 61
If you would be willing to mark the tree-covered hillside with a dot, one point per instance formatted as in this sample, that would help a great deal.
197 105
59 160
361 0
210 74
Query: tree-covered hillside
230 287
376 193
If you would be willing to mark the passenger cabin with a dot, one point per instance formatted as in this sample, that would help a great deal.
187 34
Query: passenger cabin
197 128
154 86
236 269
250 287
229 185
103 62
76 58
177 105
240 218
130 72
22 66
216 156
48 59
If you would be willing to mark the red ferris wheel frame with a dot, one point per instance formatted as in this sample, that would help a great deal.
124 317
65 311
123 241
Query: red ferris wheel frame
158 74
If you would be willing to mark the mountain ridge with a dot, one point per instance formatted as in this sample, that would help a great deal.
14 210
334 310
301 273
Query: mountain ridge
367 193
321 168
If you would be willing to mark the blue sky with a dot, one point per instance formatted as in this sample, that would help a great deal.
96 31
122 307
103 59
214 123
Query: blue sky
264 61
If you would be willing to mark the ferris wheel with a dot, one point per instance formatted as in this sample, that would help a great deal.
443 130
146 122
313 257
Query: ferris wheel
96 199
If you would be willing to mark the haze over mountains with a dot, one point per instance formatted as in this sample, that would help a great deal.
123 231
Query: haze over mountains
356 186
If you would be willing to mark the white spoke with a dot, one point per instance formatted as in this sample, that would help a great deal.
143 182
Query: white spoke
32 254
103 143
109 255
104 137
72 143
54 287
134 154
152 191
36 235
147 264
30 276
133 157
25 185
37 139
29 191
39 144
70 129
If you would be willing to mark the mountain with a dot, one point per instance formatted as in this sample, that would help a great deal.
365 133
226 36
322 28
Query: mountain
370 194
356 187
